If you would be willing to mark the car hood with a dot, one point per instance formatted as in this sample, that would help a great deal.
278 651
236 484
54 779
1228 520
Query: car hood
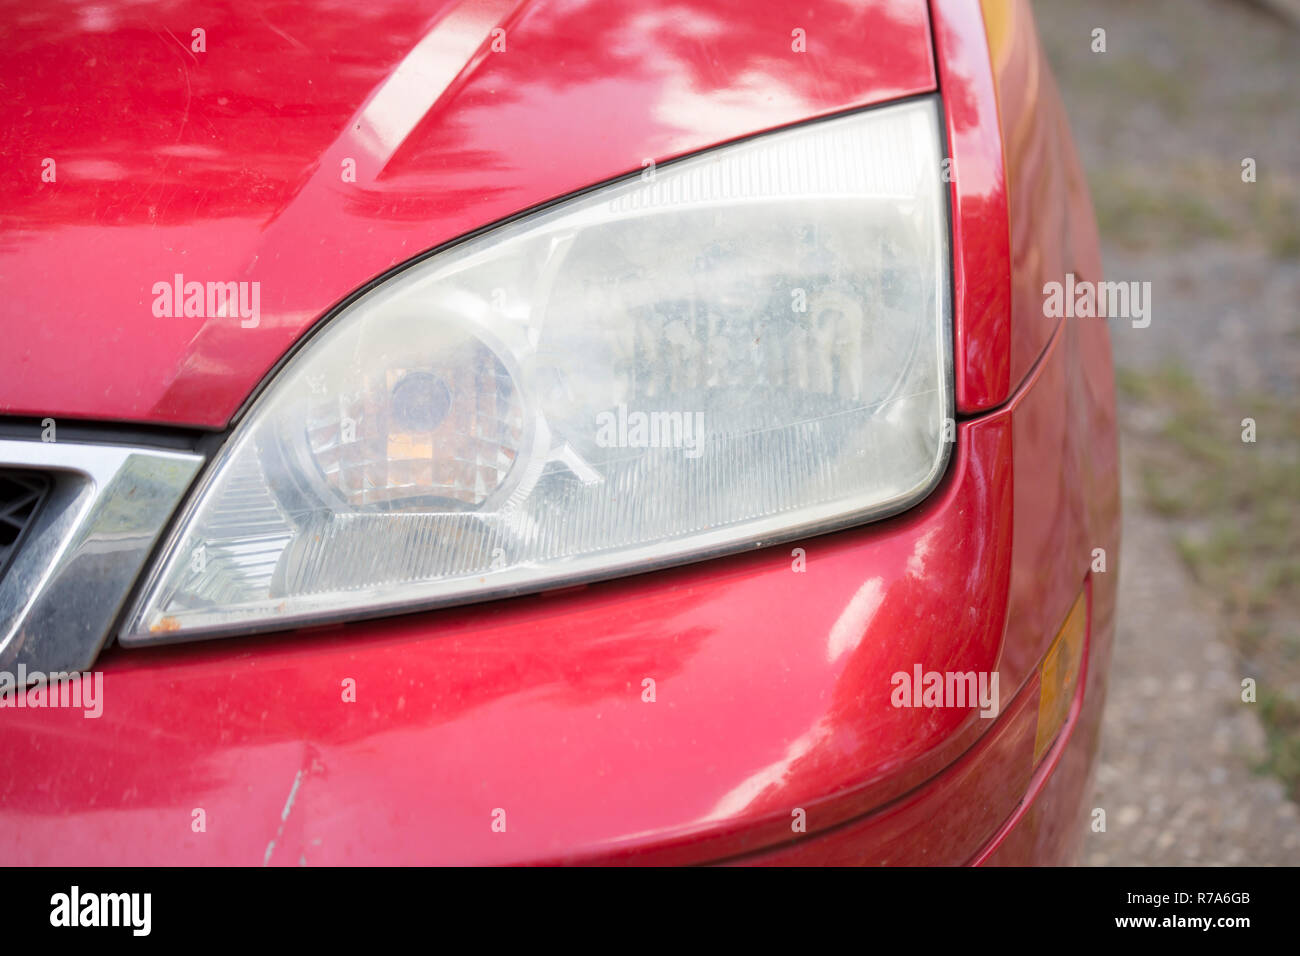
309 147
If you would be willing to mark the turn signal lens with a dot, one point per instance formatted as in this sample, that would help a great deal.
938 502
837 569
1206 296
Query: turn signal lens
1059 675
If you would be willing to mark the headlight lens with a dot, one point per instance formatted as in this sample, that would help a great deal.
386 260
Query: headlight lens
751 344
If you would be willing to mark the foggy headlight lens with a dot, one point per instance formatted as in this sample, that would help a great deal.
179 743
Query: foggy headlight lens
748 345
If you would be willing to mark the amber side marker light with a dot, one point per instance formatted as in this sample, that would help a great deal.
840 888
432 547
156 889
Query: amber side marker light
1058 675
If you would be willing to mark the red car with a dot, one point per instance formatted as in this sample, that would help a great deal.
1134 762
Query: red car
547 431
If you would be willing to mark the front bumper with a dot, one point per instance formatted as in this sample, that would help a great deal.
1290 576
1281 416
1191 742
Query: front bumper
522 731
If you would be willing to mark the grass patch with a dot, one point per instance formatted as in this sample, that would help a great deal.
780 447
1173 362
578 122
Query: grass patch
1166 207
1238 505
1142 212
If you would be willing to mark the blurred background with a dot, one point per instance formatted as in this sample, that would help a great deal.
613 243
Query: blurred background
1185 91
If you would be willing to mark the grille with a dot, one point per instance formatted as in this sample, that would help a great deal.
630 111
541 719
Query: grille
21 495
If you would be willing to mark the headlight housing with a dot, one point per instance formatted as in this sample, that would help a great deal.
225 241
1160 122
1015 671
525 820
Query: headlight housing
748 345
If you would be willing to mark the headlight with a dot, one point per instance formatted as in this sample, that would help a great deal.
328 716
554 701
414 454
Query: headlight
749 345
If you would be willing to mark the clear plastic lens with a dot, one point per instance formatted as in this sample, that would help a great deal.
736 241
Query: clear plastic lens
747 345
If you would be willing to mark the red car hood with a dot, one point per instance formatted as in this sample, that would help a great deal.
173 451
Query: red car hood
309 147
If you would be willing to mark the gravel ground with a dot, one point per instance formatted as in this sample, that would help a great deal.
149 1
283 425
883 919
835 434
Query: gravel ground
1185 91
1178 747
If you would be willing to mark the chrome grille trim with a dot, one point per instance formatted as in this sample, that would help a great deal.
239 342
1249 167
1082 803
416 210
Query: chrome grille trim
82 554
